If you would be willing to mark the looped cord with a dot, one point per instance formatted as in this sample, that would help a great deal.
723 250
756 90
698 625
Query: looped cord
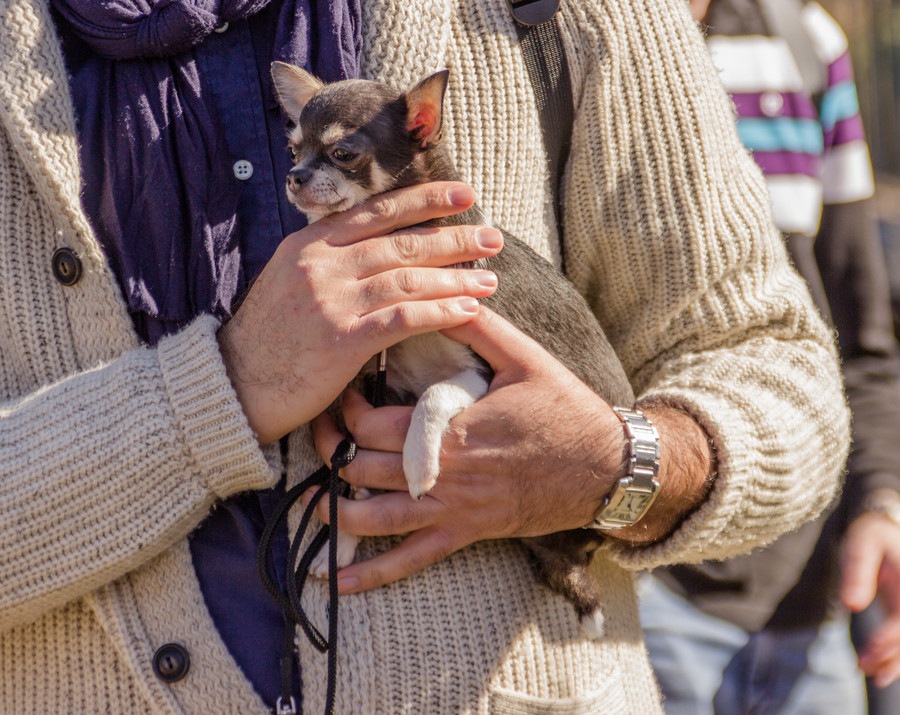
290 601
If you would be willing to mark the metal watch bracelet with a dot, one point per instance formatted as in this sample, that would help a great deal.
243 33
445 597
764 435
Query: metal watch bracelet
635 492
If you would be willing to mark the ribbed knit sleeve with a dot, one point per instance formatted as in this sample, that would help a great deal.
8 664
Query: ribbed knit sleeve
104 470
669 235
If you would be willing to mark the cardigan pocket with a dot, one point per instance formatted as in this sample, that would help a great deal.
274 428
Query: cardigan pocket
609 700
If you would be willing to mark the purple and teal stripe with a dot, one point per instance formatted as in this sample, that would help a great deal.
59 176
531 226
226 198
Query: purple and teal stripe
840 117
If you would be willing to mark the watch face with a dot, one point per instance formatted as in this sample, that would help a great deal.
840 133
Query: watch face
630 508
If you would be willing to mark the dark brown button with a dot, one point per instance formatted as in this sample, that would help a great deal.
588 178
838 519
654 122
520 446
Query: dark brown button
533 12
171 662
66 266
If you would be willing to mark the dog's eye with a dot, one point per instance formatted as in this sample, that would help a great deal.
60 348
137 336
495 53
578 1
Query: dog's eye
293 154
343 155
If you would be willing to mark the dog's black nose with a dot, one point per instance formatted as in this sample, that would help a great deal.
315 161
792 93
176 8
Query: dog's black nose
298 176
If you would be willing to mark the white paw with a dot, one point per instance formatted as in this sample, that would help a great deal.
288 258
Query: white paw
439 404
346 552
421 458
592 625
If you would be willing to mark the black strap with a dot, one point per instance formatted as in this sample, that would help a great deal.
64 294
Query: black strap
548 71
327 480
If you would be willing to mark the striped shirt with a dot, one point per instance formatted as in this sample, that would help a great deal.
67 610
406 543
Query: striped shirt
811 150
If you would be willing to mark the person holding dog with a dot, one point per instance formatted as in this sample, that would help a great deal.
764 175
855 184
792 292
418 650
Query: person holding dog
171 332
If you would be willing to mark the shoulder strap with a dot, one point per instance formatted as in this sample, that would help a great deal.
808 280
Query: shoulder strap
785 19
548 72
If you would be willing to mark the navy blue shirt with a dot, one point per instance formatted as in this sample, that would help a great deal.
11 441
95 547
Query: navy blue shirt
215 105
224 547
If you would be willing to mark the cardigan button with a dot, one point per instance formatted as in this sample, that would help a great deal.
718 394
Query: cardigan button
66 266
171 662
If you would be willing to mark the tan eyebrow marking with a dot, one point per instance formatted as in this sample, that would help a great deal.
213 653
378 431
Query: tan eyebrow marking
332 134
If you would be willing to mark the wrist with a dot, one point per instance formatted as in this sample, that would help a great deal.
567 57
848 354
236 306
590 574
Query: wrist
686 474
248 389
634 494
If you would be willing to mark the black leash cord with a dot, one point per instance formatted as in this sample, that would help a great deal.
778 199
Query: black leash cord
290 598
290 602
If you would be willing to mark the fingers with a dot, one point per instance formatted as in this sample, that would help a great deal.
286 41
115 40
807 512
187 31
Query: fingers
417 552
387 514
378 464
375 428
393 210
394 286
390 325
424 246
860 564
880 659
381 428
859 582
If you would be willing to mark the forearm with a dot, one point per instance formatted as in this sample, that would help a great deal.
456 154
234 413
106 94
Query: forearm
779 429
688 276
104 470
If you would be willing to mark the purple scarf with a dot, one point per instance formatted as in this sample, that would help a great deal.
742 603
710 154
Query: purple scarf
157 191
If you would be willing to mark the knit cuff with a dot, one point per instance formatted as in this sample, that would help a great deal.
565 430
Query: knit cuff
208 413
753 500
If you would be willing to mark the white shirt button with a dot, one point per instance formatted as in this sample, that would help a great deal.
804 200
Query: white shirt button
243 169
221 28
771 104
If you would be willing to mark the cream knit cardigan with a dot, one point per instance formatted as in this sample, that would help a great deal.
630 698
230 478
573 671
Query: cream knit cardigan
110 453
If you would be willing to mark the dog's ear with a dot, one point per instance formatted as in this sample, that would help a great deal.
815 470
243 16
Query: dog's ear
294 86
425 108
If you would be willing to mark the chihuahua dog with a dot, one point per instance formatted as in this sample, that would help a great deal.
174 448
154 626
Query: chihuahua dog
357 138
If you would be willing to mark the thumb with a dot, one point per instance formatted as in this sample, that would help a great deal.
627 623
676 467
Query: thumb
496 340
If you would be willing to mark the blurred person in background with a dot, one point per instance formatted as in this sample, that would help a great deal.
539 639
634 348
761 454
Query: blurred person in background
768 632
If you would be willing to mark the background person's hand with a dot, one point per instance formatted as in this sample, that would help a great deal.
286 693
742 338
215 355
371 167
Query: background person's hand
343 289
870 567
535 455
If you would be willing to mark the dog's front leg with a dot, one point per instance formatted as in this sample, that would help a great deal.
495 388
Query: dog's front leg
439 404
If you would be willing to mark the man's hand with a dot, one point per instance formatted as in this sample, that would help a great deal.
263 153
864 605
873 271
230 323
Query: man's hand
535 455
342 290
870 566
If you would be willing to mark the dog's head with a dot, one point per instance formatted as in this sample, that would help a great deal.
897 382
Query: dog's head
356 138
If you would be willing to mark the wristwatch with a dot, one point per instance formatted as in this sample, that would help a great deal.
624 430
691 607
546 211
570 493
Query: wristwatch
635 492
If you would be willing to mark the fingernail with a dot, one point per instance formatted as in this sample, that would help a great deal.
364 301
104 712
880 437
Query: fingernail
467 305
462 196
348 584
486 279
488 237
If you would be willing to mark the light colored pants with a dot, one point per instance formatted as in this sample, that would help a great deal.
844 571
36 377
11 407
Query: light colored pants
707 666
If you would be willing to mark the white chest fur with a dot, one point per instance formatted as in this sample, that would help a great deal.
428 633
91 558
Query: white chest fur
419 362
